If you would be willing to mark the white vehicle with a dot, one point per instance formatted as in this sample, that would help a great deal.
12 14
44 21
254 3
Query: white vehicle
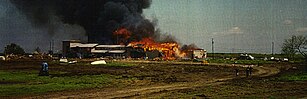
2 58
272 58
99 62
63 60
251 57
246 57
285 59
72 62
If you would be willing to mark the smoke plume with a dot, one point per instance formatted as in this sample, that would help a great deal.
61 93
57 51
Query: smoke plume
189 47
99 18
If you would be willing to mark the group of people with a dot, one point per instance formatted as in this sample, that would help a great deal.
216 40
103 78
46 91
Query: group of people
248 71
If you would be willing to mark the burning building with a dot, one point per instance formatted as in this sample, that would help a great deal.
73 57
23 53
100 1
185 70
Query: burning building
146 48
114 51
169 51
74 48
128 45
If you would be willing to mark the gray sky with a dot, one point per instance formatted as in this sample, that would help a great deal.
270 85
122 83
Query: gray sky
235 25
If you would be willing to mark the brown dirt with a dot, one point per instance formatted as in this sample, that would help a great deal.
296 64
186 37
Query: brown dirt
153 78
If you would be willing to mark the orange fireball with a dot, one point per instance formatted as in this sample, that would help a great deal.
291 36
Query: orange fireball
169 50
122 35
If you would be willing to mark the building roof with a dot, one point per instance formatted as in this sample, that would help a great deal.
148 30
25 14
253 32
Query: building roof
110 46
73 41
82 45
109 51
117 51
99 51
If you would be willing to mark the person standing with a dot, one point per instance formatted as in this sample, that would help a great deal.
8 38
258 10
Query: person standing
247 71
250 70
44 69
237 71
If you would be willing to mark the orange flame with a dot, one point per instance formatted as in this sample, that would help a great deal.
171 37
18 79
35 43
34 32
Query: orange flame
122 35
169 50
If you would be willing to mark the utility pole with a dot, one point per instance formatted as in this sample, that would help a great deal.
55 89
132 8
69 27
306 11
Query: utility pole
213 47
52 46
272 48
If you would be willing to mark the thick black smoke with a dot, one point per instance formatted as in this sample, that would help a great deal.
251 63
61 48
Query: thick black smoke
99 18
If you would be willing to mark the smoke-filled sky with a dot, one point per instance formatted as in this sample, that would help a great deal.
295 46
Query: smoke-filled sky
35 23
15 27
235 25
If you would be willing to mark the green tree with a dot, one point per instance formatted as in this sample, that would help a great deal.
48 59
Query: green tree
13 49
294 45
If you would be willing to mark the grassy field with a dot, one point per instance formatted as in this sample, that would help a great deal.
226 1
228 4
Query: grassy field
109 64
296 58
21 79
232 58
294 77
282 86
247 62
20 83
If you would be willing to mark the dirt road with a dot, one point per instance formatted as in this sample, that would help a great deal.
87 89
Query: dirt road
144 91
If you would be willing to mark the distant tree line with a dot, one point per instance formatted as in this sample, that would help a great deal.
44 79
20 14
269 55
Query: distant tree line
295 45
13 49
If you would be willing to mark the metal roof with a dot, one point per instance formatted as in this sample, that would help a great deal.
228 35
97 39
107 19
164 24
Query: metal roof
75 41
82 45
117 51
108 51
110 46
99 51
